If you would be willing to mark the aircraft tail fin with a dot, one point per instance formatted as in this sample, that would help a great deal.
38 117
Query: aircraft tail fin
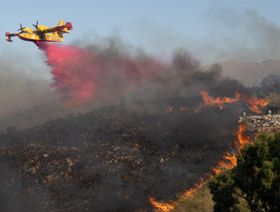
65 27
60 23
68 26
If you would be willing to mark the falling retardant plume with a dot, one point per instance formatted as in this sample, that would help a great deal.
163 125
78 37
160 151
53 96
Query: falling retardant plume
82 75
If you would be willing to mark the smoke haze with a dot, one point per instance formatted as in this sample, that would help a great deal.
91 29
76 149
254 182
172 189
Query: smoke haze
20 90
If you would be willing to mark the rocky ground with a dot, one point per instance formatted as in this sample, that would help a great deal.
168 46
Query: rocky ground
261 123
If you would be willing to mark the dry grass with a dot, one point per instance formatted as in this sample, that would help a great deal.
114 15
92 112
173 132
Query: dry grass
201 201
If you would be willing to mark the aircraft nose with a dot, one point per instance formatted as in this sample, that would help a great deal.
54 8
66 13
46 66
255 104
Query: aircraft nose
69 25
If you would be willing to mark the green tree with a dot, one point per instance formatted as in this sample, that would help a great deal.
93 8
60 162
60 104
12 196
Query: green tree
254 184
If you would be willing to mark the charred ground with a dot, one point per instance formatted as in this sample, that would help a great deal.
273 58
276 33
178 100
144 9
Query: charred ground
111 159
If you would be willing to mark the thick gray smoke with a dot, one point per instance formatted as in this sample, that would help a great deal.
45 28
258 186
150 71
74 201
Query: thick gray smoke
186 78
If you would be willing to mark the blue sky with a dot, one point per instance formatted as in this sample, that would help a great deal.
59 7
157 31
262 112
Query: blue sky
140 23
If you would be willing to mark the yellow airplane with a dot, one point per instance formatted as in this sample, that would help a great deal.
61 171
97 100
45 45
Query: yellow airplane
41 33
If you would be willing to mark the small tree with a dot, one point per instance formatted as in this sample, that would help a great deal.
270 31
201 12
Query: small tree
254 184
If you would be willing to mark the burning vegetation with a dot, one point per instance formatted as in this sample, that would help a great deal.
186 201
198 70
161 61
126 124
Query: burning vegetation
228 161
254 103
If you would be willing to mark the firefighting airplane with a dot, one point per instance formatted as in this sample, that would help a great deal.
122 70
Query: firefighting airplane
41 33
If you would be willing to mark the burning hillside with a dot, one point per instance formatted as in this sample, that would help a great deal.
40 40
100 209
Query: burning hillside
116 155
173 126
111 155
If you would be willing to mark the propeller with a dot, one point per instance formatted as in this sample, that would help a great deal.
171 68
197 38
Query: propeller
20 27
36 25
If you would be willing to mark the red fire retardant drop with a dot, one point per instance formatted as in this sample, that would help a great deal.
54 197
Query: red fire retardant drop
83 76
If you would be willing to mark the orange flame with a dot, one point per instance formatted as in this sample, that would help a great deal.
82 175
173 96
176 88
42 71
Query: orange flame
190 191
169 206
242 138
255 104
161 206
229 161
219 101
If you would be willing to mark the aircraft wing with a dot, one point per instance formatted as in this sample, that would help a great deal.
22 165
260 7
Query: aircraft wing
62 28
